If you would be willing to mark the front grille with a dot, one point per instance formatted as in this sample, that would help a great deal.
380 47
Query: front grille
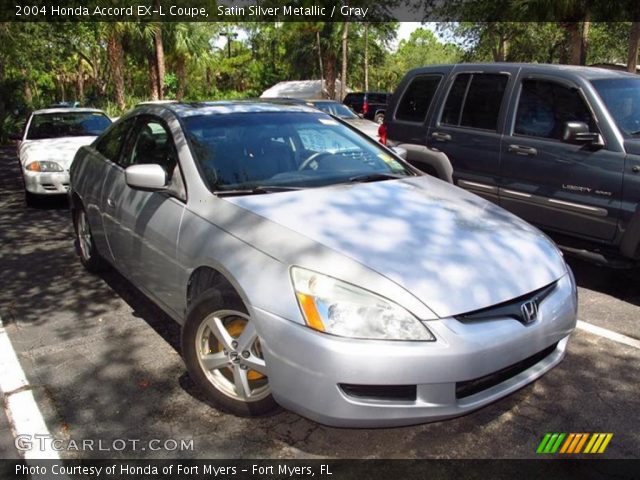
471 387
509 309
381 392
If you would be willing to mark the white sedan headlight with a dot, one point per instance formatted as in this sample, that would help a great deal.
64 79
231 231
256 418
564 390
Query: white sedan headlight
44 166
339 308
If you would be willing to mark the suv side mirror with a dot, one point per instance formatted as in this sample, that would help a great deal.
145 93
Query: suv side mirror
150 177
578 133
401 152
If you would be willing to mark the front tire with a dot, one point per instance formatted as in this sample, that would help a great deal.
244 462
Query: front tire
222 352
31 199
86 247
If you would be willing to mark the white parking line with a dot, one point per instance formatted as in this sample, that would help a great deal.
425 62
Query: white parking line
609 334
20 406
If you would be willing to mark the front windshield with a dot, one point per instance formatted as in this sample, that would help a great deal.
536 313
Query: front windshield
67 124
285 149
622 98
337 109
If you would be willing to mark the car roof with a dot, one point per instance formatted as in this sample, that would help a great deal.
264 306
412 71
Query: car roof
590 73
226 107
68 110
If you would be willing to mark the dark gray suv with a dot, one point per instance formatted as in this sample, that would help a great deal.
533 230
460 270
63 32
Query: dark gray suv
557 145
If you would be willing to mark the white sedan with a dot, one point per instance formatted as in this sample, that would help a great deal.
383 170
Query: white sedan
50 141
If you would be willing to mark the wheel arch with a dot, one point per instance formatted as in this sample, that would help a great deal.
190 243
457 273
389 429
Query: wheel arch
630 242
205 277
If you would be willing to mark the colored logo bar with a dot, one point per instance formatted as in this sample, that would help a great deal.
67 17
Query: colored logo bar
568 443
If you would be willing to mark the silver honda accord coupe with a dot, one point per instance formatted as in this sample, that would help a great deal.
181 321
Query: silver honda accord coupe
312 268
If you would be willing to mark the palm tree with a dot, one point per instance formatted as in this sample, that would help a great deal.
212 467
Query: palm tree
187 41
114 31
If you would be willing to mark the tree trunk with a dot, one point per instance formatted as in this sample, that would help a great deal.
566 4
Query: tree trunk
115 58
159 47
634 43
345 46
584 40
322 86
28 94
329 62
366 57
79 82
500 51
575 42
181 73
153 76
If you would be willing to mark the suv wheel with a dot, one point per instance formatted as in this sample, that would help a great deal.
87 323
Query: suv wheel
379 118
222 351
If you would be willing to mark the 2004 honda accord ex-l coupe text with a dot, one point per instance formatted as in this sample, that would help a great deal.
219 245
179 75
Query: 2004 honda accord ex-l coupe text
311 267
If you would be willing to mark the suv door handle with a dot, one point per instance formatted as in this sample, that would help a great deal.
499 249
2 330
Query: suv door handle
110 203
520 150
441 137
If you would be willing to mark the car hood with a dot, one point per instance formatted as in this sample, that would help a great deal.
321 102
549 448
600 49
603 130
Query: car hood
365 126
452 250
59 150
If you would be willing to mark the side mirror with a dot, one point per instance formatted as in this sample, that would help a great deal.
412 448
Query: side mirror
401 152
578 133
146 177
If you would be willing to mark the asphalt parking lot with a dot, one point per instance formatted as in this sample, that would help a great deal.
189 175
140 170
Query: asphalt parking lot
103 363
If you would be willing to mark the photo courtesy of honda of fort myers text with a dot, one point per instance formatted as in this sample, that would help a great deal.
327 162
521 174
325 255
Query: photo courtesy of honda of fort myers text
319 239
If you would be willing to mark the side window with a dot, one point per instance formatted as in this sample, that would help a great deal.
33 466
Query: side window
152 143
474 100
417 98
545 106
110 144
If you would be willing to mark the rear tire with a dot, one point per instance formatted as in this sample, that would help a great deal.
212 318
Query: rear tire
85 246
219 346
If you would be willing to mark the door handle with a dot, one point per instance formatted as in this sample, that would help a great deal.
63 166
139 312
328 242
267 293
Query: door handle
635 169
520 150
441 137
110 203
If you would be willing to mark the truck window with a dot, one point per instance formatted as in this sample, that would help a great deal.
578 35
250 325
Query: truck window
544 107
474 100
417 98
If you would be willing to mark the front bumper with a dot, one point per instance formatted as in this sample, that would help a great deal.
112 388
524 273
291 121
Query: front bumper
308 370
46 183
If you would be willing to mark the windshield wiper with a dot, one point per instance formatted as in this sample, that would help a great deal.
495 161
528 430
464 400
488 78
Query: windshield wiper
375 177
260 189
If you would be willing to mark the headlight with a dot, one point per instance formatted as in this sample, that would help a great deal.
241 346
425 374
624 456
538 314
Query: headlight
339 308
44 166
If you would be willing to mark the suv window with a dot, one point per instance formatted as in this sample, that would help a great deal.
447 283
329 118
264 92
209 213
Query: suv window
354 97
152 143
545 106
417 98
376 98
474 100
110 144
